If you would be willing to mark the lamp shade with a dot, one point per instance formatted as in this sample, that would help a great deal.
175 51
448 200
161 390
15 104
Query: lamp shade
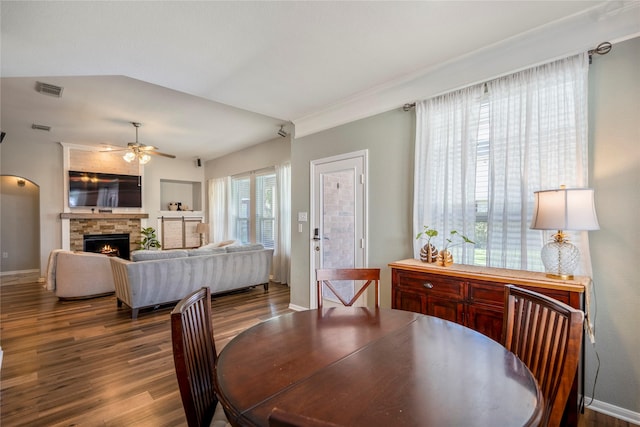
564 209
202 228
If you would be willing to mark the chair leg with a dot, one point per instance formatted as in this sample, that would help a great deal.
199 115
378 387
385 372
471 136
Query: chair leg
134 313
266 286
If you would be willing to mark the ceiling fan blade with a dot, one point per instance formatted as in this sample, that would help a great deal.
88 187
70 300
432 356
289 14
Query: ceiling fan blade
113 150
157 153
147 148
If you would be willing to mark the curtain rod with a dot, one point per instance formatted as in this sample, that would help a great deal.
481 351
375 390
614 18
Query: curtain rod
602 49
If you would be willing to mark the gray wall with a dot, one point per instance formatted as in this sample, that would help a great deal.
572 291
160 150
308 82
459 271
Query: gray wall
269 153
614 116
389 139
41 163
615 139
19 224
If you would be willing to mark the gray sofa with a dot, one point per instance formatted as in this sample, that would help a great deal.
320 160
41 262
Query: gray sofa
161 277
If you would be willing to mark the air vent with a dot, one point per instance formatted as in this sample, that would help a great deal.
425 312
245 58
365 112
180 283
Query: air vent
41 127
47 89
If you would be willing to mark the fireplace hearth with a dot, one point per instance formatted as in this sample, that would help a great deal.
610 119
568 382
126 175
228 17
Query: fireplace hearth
108 244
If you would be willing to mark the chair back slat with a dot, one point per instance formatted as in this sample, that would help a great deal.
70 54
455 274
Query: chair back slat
325 276
194 355
546 335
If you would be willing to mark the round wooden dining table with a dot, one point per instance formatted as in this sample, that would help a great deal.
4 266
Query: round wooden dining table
355 366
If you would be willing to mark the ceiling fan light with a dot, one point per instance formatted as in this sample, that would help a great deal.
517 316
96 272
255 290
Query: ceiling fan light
129 156
144 159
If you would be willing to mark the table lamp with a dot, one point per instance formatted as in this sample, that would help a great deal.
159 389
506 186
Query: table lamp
563 209
202 229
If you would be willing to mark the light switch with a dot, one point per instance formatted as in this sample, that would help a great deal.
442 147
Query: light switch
299 228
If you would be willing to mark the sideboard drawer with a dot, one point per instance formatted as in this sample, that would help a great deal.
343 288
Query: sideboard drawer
486 293
433 285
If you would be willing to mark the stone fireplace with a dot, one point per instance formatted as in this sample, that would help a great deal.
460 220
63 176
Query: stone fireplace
96 224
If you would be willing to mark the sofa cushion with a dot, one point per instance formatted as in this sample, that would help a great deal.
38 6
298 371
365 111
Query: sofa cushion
147 255
243 248
205 251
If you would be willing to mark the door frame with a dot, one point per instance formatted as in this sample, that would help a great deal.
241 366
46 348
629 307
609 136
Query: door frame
364 155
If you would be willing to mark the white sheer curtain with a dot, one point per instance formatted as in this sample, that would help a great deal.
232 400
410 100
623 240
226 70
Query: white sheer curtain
445 163
537 140
218 209
282 250
538 134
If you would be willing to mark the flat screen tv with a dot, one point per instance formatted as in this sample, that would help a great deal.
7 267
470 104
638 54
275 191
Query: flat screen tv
104 190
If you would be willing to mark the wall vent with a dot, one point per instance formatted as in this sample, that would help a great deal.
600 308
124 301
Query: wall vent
47 89
41 127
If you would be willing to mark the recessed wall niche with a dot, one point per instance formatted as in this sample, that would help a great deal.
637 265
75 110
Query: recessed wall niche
189 193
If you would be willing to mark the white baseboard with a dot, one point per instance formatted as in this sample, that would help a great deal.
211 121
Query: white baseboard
614 411
17 272
297 307
18 276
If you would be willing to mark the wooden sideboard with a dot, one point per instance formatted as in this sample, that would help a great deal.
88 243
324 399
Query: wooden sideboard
474 297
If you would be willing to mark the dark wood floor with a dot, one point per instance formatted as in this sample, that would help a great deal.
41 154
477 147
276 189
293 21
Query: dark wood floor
87 363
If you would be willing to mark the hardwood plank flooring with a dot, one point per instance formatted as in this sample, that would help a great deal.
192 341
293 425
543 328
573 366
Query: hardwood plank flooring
86 363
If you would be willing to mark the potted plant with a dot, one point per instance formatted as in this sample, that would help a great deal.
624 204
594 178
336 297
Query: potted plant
149 239
428 252
444 257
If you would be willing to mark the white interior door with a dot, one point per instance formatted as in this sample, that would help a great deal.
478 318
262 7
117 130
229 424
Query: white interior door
338 219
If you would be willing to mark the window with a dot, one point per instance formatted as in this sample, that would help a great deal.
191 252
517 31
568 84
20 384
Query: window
482 186
253 207
240 208
265 209
482 151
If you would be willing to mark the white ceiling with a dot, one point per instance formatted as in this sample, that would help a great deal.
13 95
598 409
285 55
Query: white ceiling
210 77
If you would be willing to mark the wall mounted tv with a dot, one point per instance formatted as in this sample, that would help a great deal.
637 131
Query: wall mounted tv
104 190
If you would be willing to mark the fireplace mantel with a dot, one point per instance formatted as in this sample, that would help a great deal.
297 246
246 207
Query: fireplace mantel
89 215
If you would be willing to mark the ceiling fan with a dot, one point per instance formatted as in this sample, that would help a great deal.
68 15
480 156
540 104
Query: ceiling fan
141 152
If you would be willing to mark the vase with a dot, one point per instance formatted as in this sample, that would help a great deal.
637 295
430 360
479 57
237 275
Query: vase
428 253
444 258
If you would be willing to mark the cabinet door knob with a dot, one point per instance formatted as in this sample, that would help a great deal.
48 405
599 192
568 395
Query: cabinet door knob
428 285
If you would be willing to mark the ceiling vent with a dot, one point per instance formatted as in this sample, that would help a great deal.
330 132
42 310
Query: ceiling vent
47 89
41 127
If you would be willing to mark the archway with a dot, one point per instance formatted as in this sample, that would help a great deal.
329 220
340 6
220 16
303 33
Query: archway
19 229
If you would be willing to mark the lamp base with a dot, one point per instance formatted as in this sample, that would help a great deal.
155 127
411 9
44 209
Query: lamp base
560 276
560 259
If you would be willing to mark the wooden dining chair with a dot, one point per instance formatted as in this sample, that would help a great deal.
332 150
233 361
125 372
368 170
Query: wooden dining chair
281 418
194 356
367 275
546 335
